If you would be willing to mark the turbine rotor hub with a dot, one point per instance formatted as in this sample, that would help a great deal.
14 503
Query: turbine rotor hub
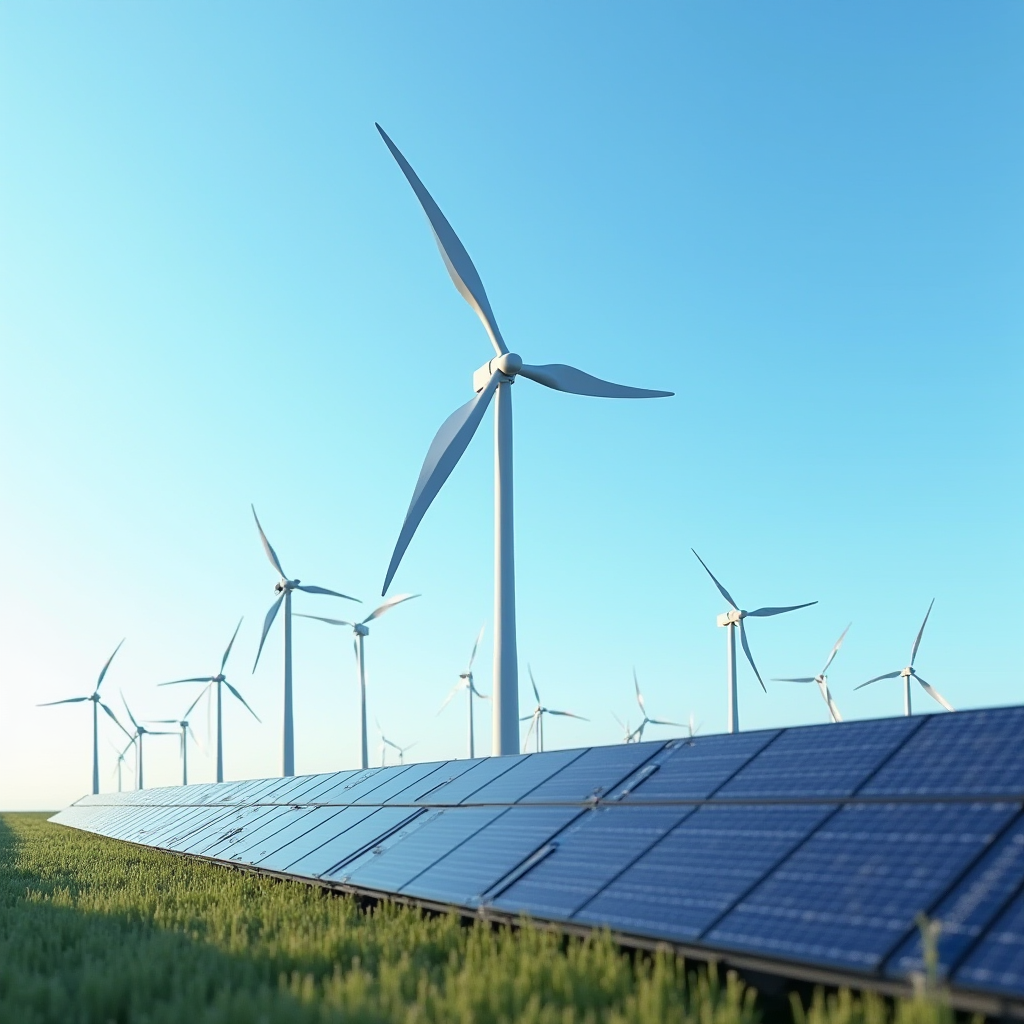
508 364
907 672
361 629
731 617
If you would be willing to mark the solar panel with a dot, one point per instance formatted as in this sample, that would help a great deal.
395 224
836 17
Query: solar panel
816 847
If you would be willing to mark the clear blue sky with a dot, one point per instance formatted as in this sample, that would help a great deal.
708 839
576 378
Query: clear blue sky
216 288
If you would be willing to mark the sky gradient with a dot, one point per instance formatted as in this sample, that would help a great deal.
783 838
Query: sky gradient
217 288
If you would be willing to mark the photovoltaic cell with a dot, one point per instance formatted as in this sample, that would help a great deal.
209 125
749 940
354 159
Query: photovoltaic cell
971 905
997 962
688 879
850 893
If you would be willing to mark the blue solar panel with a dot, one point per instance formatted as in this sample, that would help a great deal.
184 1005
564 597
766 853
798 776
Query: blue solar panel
970 907
523 777
688 879
329 861
319 848
997 962
398 787
593 774
479 773
978 753
589 854
819 760
694 769
849 895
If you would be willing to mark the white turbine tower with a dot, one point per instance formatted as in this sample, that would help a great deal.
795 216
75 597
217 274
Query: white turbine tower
140 731
186 731
284 588
361 630
822 680
493 378
96 705
909 673
731 620
536 719
466 683
385 743
647 720
217 680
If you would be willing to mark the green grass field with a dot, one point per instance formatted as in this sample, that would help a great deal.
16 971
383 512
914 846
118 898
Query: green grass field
92 930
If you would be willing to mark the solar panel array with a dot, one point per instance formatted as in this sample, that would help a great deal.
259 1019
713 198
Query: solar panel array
803 848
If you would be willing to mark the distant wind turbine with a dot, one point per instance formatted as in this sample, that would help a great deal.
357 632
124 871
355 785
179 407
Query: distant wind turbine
909 672
217 680
385 743
692 731
466 683
643 711
186 731
140 731
822 680
120 760
730 620
361 630
284 588
628 734
536 719
96 704
493 378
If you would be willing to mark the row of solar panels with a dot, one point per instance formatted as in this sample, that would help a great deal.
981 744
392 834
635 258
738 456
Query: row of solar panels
816 846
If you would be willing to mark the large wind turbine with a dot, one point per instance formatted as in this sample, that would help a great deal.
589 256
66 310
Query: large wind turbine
361 630
822 680
140 731
466 683
647 720
536 718
96 705
217 680
186 731
909 672
284 588
730 620
493 378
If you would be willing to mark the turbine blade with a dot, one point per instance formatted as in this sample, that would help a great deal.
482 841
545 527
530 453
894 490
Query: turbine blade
802 679
460 267
569 714
444 453
888 675
533 683
320 618
128 709
243 700
387 606
271 553
560 377
162 721
70 700
117 723
231 643
934 694
529 732
103 671
476 644
836 717
762 613
451 695
192 679
835 650
725 593
330 593
639 695
202 692
750 657
661 721
267 622
920 633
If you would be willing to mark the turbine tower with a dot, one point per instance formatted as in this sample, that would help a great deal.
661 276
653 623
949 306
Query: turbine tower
140 731
186 731
639 732
494 378
217 680
96 705
822 680
466 683
284 588
361 630
909 673
731 620
536 719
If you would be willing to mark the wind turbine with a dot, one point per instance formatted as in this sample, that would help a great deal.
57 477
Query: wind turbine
822 680
284 588
385 743
361 630
186 731
909 672
466 683
730 620
692 731
96 705
217 680
493 378
536 719
643 710
629 735
120 760
140 731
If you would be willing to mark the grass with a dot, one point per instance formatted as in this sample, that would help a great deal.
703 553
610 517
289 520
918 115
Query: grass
92 930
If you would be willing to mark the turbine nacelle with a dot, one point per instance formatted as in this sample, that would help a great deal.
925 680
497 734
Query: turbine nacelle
509 363
282 585
731 617
361 628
